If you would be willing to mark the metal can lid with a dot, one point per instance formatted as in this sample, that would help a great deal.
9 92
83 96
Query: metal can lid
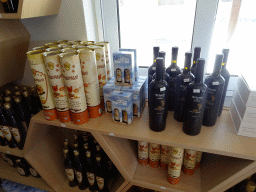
68 54
35 52
40 48
68 50
65 150
53 49
62 41
51 53
64 45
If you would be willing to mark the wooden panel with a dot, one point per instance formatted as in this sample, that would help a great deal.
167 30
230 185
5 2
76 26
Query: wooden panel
118 184
156 178
16 152
11 173
218 171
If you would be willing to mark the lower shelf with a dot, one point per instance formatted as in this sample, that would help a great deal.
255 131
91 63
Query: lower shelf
16 152
11 173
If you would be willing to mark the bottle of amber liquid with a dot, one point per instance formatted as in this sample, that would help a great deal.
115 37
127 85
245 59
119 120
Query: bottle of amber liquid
100 176
81 178
31 107
22 167
3 141
21 112
69 169
91 172
33 172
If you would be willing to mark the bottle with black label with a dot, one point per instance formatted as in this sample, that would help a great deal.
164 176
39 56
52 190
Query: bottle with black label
173 71
157 99
18 129
82 181
90 172
11 160
197 52
183 80
20 111
152 68
215 83
195 102
100 176
29 105
6 129
22 167
226 75
33 172
69 169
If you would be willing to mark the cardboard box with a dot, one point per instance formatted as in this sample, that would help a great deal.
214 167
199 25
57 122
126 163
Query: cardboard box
247 114
242 128
247 89
108 89
124 68
14 42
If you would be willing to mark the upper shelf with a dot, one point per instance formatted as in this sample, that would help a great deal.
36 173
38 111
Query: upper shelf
220 139
16 152
32 8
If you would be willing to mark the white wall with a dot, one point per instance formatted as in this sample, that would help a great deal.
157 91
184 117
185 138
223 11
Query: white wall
71 23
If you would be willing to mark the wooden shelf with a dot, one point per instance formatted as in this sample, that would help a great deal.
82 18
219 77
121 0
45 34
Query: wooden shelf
11 173
32 8
12 151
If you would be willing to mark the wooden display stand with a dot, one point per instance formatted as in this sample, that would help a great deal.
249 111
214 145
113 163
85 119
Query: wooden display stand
228 158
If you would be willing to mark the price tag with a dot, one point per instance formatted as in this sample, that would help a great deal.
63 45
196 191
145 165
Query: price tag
111 134
163 187
173 69
196 90
216 83
62 125
162 89
8 152
186 80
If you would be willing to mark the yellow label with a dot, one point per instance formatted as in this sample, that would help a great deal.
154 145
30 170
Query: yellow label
79 176
74 83
3 1
143 150
185 67
100 182
41 80
101 66
7 133
174 61
91 178
164 154
154 152
90 77
223 63
175 161
54 69
190 159
70 174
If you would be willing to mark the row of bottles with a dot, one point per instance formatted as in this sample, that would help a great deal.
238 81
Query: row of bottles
10 6
194 101
173 159
247 185
86 164
23 167
17 106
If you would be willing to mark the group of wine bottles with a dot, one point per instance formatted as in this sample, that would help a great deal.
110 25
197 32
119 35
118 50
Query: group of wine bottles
173 159
23 167
10 6
87 165
194 101
17 106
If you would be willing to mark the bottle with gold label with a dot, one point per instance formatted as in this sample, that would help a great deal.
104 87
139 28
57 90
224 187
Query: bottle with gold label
143 152
90 172
154 155
18 129
22 167
69 169
100 176
81 178
6 129
189 162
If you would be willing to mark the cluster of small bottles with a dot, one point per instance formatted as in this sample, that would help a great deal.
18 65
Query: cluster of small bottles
17 106
86 164
10 6
194 101
69 76
23 167
247 185
173 159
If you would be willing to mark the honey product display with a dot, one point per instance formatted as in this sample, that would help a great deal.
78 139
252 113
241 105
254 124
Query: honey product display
71 71
154 155
53 67
164 157
37 66
198 159
189 161
143 152
108 89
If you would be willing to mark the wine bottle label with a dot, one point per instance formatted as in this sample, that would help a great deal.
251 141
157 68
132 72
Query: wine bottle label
70 174
101 65
175 161
37 66
10 162
1 132
90 76
53 67
79 176
186 80
143 150
173 69
33 172
162 89
190 159
74 83
153 68
216 83
164 154
154 152
7 133
100 182
16 134
196 90
21 171
199 156
91 178
159 103
211 97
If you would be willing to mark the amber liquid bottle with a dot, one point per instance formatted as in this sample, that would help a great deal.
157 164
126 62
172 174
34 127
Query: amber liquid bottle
195 102
91 172
215 83
29 105
33 172
157 99
226 75
197 52
22 167
100 176
24 117
3 141
183 80
69 169
81 178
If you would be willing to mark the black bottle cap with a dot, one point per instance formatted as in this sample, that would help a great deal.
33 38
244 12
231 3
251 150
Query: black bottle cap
159 66
225 52
175 50
218 63
162 54
197 52
156 52
188 56
200 69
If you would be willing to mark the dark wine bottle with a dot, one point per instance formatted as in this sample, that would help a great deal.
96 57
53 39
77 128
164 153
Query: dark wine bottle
157 99
195 102
215 83
100 176
22 167
24 117
6 129
35 98
81 178
31 107
152 68
69 169
226 75
90 172
18 129
11 160
197 52
3 141
183 80
173 71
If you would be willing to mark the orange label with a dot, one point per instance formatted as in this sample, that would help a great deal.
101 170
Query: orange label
64 116
95 111
154 154
50 114
80 118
